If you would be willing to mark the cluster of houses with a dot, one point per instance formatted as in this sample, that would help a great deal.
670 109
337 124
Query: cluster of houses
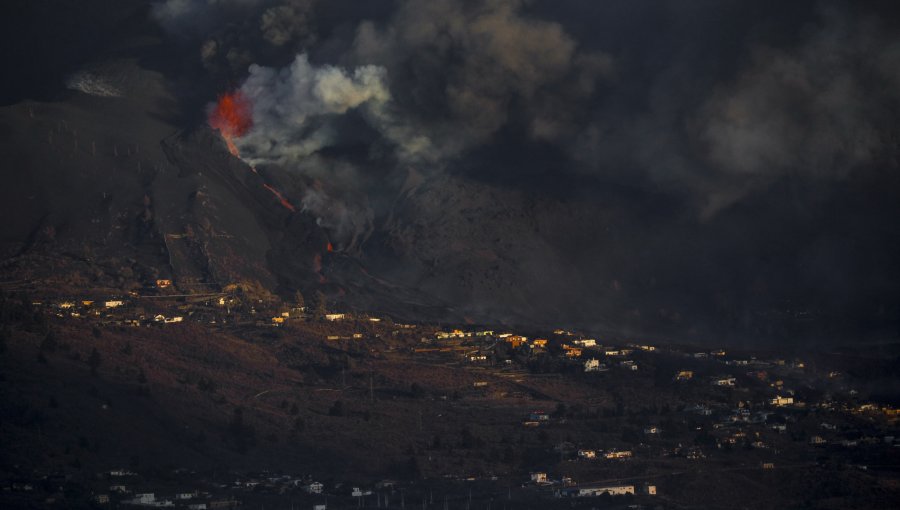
566 487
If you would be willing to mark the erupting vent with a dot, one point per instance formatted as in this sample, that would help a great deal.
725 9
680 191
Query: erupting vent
232 117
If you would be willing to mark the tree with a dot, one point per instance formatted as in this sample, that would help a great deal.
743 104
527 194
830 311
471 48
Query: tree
94 361
321 305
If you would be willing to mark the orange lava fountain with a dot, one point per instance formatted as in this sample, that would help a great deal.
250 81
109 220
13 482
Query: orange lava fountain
232 116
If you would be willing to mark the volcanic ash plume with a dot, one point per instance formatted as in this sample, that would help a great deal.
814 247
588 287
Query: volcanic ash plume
294 108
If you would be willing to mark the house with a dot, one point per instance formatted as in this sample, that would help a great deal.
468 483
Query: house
612 490
684 375
572 352
115 303
539 343
314 488
357 336
594 365
515 341
186 495
652 430
587 454
649 490
768 465
480 384
539 477
586 342
335 316
121 489
146 498
102 498
332 337
782 401
66 305
475 358
277 320
162 284
539 416
817 440
618 454
724 381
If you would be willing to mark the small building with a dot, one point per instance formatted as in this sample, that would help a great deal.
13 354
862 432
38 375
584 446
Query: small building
114 303
515 341
612 490
573 352
594 365
724 381
314 488
335 316
539 343
684 375
782 401
618 454
586 342
587 454
164 283
102 498
539 416
539 477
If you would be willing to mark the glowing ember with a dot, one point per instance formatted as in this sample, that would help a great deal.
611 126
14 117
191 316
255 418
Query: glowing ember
284 202
232 116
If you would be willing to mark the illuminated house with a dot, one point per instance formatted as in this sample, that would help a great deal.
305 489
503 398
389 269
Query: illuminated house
782 401
335 316
162 284
684 375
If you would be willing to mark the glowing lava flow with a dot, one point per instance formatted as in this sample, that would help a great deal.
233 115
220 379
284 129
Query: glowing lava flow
232 116
287 205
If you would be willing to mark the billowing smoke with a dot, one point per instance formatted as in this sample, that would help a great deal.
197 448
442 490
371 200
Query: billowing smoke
293 108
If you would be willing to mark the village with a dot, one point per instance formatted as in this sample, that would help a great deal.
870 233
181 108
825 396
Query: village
669 409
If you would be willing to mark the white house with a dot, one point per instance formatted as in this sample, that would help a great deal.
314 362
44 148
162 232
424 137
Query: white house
587 454
612 490
594 365
315 488
115 303
586 342
335 316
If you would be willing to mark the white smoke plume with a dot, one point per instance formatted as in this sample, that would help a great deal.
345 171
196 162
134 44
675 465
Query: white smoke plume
293 107
93 84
